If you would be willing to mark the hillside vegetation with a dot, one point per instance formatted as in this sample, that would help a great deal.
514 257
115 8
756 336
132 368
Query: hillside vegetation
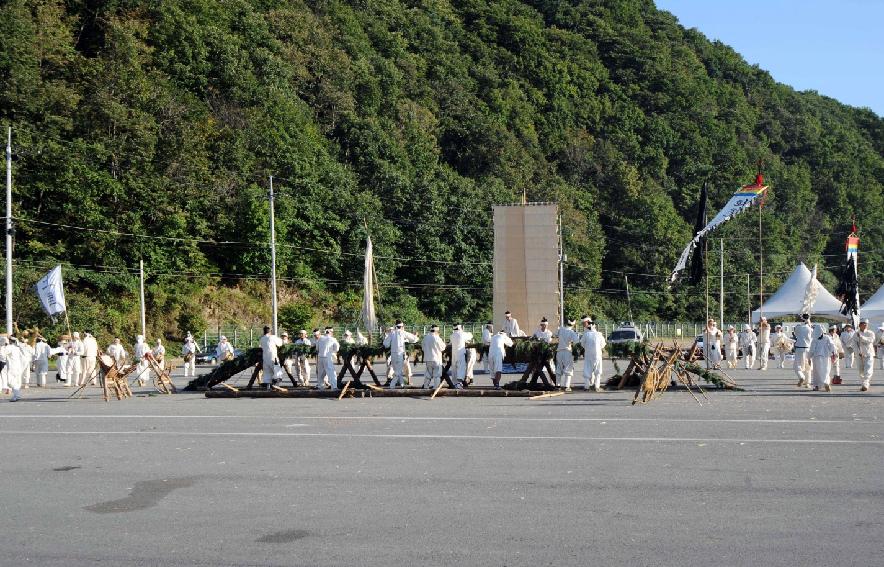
164 119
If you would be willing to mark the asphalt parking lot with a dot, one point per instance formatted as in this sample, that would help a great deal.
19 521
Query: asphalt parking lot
771 475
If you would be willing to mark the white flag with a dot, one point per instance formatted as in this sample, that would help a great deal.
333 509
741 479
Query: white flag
368 315
50 290
810 293
744 198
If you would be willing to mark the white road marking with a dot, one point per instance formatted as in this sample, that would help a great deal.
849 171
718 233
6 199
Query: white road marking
439 418
456 437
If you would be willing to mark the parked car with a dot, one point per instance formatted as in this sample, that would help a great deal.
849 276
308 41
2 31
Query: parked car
626 332
209 355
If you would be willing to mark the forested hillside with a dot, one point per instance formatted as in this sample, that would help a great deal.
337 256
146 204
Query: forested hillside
164 118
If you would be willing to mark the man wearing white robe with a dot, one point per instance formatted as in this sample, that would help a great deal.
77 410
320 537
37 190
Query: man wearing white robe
326 348
803 336
823 352
459 340
863 343
496 354
396 342
763 343
593 343
565 356
433 346
270 344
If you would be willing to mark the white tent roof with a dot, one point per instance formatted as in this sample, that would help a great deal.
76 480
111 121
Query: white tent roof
873 308
789 299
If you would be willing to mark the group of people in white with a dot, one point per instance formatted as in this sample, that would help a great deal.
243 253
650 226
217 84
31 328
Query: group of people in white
818 350
818 354
463 354
76 360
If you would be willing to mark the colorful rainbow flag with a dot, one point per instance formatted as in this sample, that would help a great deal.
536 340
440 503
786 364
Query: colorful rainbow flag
852 245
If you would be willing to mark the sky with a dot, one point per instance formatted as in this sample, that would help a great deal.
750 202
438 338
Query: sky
834 47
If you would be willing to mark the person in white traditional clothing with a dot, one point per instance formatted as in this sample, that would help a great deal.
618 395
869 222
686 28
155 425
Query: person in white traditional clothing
748 342
396 342
803 336
763 343
288 362
564 355
782 345
116 351
42 352
61 360
360 338
839 354
28 355
76 352
823 352
139 353
224 351
487 333
11 356
326 348
544 335
459 339
270 344
731 346
881 346
511 325
593 343
847 341
90 360
712 344
302 362
433 346
347 341
188 350
863 343
496 355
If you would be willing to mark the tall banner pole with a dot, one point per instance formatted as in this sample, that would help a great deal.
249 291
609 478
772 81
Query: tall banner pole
562 260
141 298
9 231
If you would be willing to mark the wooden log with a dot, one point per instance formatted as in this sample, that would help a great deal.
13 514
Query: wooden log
436 391
344 390
549 395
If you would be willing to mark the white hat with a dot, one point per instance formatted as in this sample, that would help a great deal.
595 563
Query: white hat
347 333
747 328
76 335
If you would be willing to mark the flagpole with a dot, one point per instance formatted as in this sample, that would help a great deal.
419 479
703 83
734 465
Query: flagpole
141 298
721 287
9 231
760 262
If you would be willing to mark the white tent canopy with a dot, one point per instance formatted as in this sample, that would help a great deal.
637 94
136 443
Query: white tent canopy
873 308
789 299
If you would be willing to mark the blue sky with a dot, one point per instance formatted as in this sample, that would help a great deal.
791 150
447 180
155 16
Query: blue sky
835 48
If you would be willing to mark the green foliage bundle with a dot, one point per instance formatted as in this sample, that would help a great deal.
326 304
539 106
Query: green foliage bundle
410 118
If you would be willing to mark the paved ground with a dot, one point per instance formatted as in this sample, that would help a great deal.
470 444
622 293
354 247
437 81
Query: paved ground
769 476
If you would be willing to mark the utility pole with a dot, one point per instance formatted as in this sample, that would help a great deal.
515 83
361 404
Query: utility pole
9 231
273 260
141 297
